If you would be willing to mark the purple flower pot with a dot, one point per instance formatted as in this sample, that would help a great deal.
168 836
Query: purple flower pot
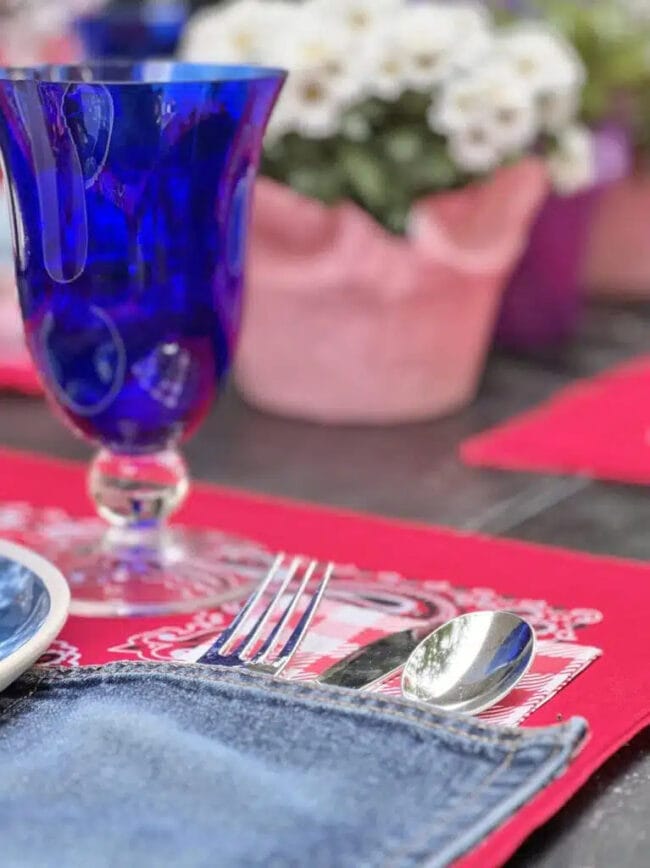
542 304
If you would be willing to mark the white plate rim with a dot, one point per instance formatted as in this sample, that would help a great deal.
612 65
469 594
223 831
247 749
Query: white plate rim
22 658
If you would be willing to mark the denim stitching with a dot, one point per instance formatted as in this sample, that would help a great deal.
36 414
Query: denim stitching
343 705
555 752
17 703
413 715
421 839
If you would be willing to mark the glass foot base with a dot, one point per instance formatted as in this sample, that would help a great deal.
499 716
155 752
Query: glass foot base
125 573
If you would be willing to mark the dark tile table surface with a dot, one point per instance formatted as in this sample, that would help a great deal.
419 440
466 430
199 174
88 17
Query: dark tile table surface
412 472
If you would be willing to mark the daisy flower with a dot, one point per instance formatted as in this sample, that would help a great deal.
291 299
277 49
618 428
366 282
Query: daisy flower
492 98
309 45
543 57
310 105
383 66
426 34
358 17
473 149
572 165
238 32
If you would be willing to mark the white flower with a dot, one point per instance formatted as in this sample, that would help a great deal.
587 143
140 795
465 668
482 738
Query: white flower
471 49
309 45
572 166
358 17
426 34
382 65
491 99
543 57
559 108
473 150
460 103
551 67
323 77
469 17
510 107
238 32
473 33
310 105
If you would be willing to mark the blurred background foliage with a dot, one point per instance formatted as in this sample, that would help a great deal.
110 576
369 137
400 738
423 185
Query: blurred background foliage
613 39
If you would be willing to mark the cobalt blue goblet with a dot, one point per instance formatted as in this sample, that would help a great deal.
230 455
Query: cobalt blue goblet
129 187
133 30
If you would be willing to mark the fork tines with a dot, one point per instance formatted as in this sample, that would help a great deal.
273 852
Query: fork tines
239 644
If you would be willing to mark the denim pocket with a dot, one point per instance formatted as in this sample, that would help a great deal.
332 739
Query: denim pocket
188 765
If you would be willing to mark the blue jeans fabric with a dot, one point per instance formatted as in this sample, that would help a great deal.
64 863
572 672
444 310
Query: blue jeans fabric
187 765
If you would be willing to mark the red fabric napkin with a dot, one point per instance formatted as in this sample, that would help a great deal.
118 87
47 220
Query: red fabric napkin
620 590
17 375
599 428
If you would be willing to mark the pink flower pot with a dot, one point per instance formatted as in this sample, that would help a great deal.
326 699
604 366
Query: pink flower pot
346 323
617 264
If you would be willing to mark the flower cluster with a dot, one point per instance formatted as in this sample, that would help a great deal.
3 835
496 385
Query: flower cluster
389 100
612 38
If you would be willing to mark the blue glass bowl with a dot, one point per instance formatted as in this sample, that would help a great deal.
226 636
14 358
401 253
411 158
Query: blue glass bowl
130 187
133 31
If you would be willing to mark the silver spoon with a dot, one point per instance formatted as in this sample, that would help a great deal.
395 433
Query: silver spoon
471 662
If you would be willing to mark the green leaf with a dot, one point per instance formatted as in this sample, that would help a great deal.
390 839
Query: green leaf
365 174
402 145
320 183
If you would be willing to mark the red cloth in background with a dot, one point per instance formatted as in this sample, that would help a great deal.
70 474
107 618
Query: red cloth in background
598 427
619 589
18 375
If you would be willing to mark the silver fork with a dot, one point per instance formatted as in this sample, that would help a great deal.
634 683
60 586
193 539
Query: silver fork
234 645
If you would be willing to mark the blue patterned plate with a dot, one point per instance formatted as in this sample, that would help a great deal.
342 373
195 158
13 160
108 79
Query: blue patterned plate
34 602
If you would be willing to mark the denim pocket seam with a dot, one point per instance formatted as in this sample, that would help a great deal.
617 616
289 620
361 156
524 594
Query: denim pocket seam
411 715
18 703
490 778
421 838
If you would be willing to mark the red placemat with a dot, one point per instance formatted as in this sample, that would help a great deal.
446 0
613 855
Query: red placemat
598 428
360 607
619 590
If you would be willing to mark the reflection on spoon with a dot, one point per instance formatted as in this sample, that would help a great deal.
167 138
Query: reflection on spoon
471 662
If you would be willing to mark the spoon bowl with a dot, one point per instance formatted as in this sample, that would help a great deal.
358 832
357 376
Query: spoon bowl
471 662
